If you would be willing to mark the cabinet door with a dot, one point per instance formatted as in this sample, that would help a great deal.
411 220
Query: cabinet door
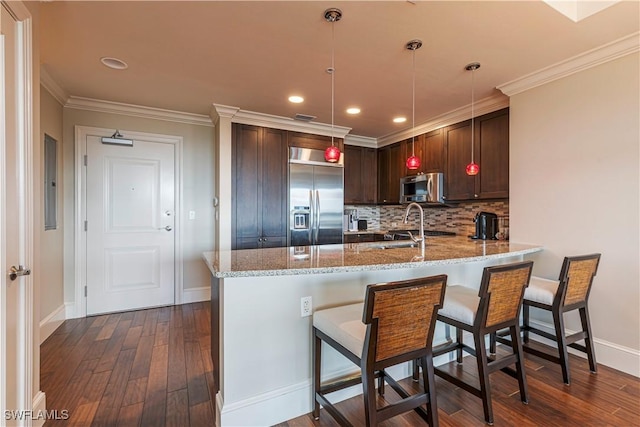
492 135
247 167
416 147
318 142
273 184
433 151
458 185
389 172
353 184
369 176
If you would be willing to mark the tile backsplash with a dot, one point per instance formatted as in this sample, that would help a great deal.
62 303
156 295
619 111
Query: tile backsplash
458 218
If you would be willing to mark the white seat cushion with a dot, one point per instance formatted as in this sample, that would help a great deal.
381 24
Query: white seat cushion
344 325
460 303
541 290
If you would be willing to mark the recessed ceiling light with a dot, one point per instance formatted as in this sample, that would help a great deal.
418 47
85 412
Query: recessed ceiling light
115 63
353 110
296 99
399 120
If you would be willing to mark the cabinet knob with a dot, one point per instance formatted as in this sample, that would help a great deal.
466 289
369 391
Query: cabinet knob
475 195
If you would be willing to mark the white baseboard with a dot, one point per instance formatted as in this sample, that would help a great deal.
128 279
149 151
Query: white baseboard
288 402
51 322
70 310
39 407
196 294
610 354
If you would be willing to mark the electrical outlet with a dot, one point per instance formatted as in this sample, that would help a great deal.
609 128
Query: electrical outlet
192 214
305 306
394 224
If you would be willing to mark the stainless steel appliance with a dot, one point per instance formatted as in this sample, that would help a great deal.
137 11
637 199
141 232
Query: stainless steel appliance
423 188
316 199
350 221
486 226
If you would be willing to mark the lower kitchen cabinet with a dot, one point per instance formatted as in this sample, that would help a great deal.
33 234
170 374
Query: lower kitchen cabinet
259 173
360 177
358 238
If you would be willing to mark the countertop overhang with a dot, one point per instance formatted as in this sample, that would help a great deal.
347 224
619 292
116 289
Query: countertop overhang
352 257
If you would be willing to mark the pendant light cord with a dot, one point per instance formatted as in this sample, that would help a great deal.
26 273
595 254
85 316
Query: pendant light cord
413 106
333 72
472 112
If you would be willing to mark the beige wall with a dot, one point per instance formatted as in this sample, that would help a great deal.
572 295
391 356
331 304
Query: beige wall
574 160
198 185
51 241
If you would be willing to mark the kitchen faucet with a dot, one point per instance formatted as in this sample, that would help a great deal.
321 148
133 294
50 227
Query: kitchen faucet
420 239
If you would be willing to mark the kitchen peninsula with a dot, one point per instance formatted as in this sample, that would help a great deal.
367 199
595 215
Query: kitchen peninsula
261 346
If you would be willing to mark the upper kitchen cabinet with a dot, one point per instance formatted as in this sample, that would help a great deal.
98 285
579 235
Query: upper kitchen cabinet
417 148
259 174
390 168
360 177
433 152
317 142
491 153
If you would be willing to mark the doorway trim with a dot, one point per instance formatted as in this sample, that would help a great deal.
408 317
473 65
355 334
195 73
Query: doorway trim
80 210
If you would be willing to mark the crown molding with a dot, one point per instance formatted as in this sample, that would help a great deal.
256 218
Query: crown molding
224 110
287 123
484 106
101 106
361 141
53 87
591 58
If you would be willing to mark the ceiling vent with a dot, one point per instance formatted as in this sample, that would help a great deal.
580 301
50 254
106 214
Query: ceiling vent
304 117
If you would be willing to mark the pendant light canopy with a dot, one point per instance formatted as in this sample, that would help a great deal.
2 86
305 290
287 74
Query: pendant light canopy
472 168
332 15
413 162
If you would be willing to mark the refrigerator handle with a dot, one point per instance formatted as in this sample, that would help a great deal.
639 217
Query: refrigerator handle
317 206
312 215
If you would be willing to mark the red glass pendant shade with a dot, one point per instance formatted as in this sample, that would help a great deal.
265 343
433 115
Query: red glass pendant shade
332 154
413 162
473 169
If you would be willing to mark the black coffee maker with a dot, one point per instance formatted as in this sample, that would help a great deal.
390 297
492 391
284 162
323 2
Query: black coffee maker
486 226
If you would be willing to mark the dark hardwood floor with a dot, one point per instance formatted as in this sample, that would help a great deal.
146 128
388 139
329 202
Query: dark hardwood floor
153 368
140 368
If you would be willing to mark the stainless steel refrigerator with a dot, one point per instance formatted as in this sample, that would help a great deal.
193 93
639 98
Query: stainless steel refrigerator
316 198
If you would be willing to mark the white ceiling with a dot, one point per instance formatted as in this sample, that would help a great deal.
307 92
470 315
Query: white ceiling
186 56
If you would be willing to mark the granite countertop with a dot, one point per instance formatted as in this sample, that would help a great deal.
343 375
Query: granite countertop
358 257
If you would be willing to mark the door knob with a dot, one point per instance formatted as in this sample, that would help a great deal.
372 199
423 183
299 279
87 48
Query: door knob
168 228
19 271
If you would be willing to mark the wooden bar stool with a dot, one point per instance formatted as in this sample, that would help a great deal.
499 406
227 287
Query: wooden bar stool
569 292
394 325
494 307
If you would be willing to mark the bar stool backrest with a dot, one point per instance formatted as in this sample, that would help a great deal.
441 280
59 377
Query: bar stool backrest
400 318
501 293
576 277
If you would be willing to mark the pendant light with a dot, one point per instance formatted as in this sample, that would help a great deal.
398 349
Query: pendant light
332 15
472 168
413 162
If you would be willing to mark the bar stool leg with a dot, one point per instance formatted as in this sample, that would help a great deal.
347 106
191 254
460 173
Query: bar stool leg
517 349
459 341
368 382
483 376
558 322
525 322
317 352
588 342
429 384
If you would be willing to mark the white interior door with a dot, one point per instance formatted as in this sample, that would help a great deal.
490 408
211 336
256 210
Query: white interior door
16 249
130 194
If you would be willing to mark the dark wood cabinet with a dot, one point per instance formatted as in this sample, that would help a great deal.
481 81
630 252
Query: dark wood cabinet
259 201
358 238
491 153
390 168
360 177
433 152
308 140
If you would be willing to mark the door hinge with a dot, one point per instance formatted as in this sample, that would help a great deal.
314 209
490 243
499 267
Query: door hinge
85 226
85 291
85 160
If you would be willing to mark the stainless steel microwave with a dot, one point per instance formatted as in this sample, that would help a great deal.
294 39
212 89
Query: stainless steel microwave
422 188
